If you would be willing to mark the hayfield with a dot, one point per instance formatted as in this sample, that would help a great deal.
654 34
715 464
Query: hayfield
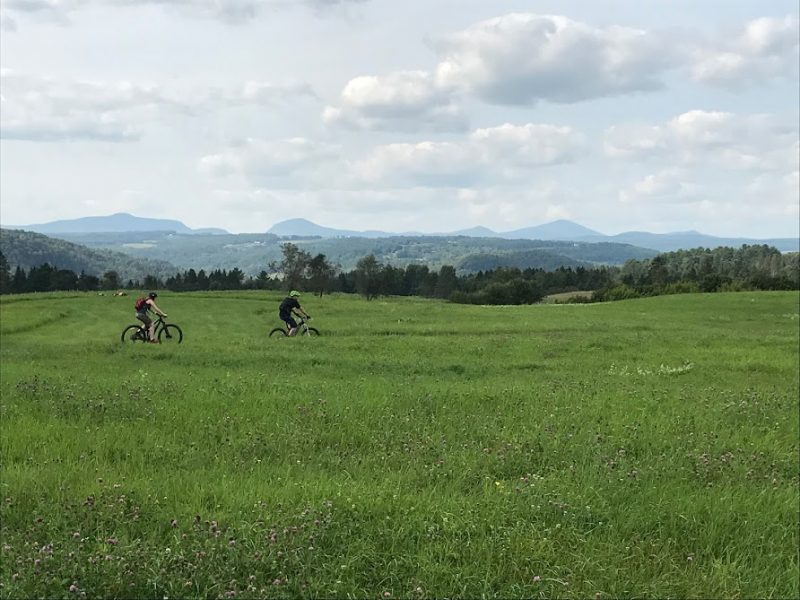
417 449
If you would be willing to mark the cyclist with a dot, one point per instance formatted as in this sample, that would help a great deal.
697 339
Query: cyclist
142 306
290 305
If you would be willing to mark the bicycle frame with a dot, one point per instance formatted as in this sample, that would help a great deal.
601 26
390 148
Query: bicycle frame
157 326
302 324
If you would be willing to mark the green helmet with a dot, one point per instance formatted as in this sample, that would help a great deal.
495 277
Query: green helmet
294 294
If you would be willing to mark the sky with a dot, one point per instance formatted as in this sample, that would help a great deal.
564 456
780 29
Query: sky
420 115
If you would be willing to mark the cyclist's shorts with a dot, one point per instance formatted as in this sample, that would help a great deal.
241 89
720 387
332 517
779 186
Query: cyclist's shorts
290 322
144 318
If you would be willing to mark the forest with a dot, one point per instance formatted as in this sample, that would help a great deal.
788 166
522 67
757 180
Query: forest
757 267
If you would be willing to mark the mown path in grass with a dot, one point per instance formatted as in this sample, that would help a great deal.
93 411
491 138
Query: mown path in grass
643 448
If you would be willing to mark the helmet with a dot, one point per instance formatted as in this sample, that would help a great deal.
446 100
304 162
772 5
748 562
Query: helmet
294 294
152 295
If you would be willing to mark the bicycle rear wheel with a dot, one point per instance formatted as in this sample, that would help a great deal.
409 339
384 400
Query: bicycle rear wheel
171 334
133 333
277 332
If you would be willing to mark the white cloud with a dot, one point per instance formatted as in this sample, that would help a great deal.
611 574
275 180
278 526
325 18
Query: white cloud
666 186
776 195
729 200
506 152
49 110
424 163
766 48
231 11
523 58
46 110
270 163
513 59
540 201
262 92
398 101
7 23
759 142
526 146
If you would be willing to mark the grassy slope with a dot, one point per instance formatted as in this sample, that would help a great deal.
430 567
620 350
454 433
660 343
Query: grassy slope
27 249
421 449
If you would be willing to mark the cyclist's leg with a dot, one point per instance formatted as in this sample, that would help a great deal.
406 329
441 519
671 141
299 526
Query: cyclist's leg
149 325
146 322
291 325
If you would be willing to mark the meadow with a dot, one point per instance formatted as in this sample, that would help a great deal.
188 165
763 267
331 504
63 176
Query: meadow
417 449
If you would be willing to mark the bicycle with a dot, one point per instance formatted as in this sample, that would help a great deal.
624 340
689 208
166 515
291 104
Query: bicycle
302 329
164 332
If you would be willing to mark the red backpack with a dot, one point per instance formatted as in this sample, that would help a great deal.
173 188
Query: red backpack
141 304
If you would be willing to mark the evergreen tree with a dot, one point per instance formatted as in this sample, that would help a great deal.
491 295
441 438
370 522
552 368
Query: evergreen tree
63 279
151 282
39 278
19 283
414 279
5 275
446 283
234 279
190 280
87 283
202 280
110 280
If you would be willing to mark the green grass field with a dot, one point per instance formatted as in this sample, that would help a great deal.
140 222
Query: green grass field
418 449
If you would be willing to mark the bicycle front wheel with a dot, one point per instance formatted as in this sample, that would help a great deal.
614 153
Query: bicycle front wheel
312 331
170 334
132 333
277 332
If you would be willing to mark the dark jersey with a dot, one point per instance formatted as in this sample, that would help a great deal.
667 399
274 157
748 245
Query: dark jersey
286 307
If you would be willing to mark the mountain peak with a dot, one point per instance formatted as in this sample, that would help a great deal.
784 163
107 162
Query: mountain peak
115 223
478 231
555 230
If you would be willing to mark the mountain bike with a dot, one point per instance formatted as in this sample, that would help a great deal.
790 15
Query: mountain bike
302 329
164 332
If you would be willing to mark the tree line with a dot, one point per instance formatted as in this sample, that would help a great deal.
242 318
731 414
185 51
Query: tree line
698 270
754 267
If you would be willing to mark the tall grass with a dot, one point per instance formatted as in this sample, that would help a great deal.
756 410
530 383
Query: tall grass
644 448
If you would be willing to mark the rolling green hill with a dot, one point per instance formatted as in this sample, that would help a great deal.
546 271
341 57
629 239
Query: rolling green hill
253 252
27 249
534 259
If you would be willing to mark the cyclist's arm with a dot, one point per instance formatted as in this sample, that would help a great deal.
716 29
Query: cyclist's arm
155 309
302 312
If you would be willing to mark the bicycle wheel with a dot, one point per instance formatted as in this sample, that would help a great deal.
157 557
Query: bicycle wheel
312 331
132 333
277 332
171 334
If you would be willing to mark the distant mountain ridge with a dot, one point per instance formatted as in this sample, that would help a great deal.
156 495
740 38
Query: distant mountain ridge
685 240
560 230
557 230
116 223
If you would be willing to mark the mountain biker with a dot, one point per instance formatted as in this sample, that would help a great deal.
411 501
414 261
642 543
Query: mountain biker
143 305
290 305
